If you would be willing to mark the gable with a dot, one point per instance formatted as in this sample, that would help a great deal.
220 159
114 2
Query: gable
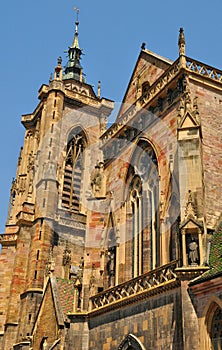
191 223
46 324
148 69
188 121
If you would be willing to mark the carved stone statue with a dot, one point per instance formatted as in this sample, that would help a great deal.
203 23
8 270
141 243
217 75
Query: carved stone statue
193 252
111 267
98 181
31 169
50 264
66 256
190 209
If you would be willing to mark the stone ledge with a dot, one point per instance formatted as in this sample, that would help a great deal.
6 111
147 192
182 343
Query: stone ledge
190 272
9 239
136 297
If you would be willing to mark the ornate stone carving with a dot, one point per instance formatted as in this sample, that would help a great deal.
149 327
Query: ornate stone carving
181 42
203 69
111 255
29 134
21 183
8 239
76 273
193 252
30 170
103 123
72 222
92 282
98 181
66 260
149 281
13 191
50 265
190 210
187 109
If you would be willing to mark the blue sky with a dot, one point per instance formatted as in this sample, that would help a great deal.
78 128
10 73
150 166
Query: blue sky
34 33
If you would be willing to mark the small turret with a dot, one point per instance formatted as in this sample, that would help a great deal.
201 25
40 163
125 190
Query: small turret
58 70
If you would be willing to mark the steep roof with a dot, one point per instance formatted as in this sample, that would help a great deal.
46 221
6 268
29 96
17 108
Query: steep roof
215 258
66 294
149 67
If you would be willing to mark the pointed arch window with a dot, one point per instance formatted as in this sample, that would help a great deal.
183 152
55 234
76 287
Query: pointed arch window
216 330
73 172
137 226
143 208
110 248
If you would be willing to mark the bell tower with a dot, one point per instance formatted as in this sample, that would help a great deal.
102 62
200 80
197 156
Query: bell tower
60 144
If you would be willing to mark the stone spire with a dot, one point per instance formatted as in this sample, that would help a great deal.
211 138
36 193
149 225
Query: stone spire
182 51
181 42
73 69
75 43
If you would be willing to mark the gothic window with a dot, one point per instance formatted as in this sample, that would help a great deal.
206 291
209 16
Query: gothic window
137 226
143 209
73 171
110 248
216 330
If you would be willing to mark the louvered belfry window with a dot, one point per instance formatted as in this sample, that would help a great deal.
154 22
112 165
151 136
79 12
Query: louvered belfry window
73 170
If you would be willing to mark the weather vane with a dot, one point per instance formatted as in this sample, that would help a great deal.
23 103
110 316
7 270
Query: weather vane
76 9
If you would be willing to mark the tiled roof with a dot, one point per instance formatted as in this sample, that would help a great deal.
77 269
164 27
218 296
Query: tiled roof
66 294
215 257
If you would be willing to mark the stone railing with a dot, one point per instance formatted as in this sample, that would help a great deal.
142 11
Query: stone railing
147 282
159 84
191 66
203 69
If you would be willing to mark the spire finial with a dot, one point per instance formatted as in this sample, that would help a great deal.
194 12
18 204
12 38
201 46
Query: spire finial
76 39
76 9
181 42
73 68
58 69
143 46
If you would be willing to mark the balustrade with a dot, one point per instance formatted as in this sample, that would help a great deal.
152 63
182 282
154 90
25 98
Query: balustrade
148 281
203 69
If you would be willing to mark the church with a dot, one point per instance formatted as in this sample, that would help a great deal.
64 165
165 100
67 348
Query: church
114 235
